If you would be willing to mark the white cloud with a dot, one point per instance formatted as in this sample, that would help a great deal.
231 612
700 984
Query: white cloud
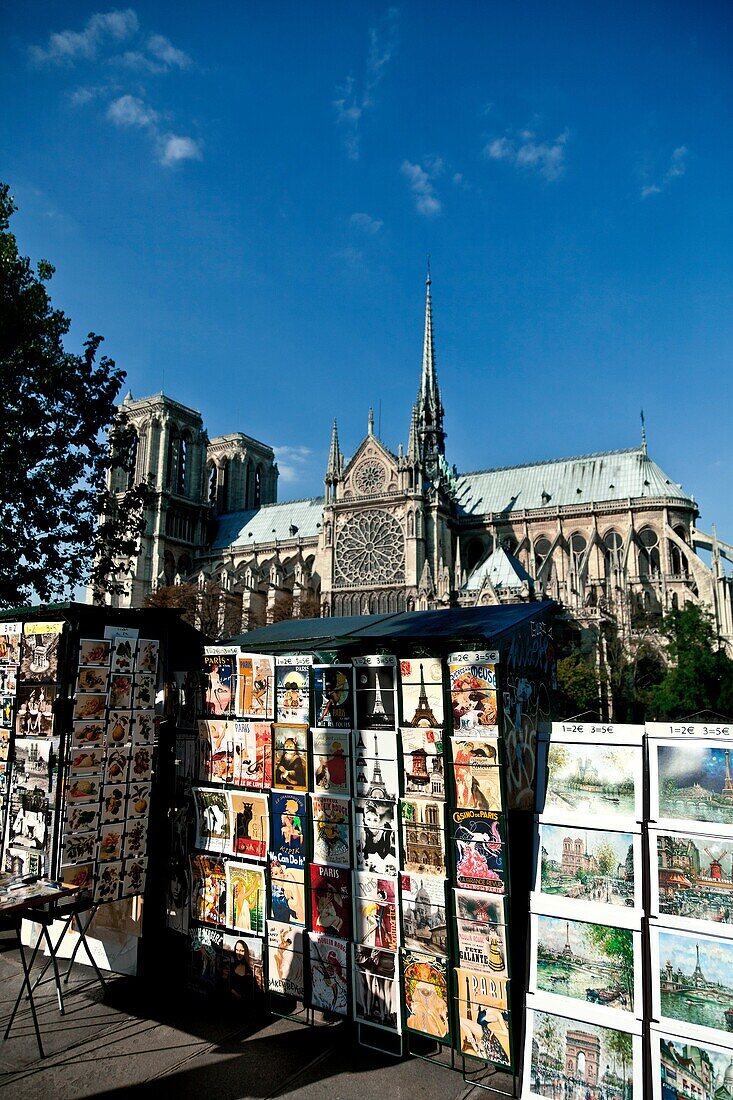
128 110
173 149
525 151
676 167
166 53
292 462
365 223
87 93
420 183
67 47
352 101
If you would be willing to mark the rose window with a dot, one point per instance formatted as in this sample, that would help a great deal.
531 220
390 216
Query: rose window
369 476
370 549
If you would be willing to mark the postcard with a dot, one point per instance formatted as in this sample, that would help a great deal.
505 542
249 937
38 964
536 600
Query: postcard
579 1059
681 1069
422 763
329 969
285 971
136 839
207 959
330 899
376 694
252 754
118 727
244 969
331 832
138 805
86 759
691 880
95 652
92 680
34 709
287 893
220 670
477 785
143 696
593 784
479 851
375 910
84 789
147 655
376 836
581 872
213 828
245 897
290 772
333 696
422 698
40 652
483 947
217 750
472 671
80 819
423 837
249 823
7 706
10 636
109 882
598 965
110 842
330 762
480 908
141 763
692 983
123 654
483 1016
36 762
8 679
117 764
427 994
690 782
423 913
79 875
376 988
24 861
292 688
208 889
134 875
143 727
375 778
90 706
120 691
114 803
79 847
255 687
289 816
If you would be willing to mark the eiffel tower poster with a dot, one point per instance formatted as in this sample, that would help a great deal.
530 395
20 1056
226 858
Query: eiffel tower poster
422 705
375 696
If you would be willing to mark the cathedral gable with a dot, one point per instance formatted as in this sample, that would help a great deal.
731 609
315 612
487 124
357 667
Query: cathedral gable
372 471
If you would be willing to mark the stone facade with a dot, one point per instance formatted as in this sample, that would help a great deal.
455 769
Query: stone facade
608 535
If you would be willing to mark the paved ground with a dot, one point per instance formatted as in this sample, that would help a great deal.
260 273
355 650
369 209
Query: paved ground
134 1041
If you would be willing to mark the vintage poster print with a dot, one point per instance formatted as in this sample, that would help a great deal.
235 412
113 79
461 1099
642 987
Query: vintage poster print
109 882
692 982
290 772
422 763
287 893
572 1059
691 781
427 997
8 679
588 867
207 948
208 889
480 908
243 969
120 691
375 696
147 655
604 781
292 688
252 754
28 820
40 652
423 913
333 696
376 837
473 690
92 680
288 828
479 851
89 706
123 654
330 897
36 763
249 823
114 803
423 836
681 1069
331 833
376 988
330 761
213 830
597 964
34 710
256 686
329 970
692 880
375 911
245 897
110 842
95 652
483 947
220 671
478 785
422 691
7 705
472 671
119 727
285 970
375 778
483 1017
10 635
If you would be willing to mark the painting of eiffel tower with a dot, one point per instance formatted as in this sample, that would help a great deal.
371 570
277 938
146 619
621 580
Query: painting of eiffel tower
424 715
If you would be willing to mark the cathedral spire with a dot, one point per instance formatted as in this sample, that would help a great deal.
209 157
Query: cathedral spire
429 405
334 455
413 450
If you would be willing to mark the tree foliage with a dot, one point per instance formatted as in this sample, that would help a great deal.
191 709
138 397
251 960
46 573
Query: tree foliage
577 684
53 452
700 676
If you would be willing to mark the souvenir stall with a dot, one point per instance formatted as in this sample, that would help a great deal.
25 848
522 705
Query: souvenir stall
361 823
83 692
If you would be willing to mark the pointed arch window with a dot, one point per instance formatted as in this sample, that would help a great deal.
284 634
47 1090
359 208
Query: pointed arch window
213 484
613 548
649 561
174 439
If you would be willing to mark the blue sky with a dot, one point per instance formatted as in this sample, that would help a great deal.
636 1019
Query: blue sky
240 198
